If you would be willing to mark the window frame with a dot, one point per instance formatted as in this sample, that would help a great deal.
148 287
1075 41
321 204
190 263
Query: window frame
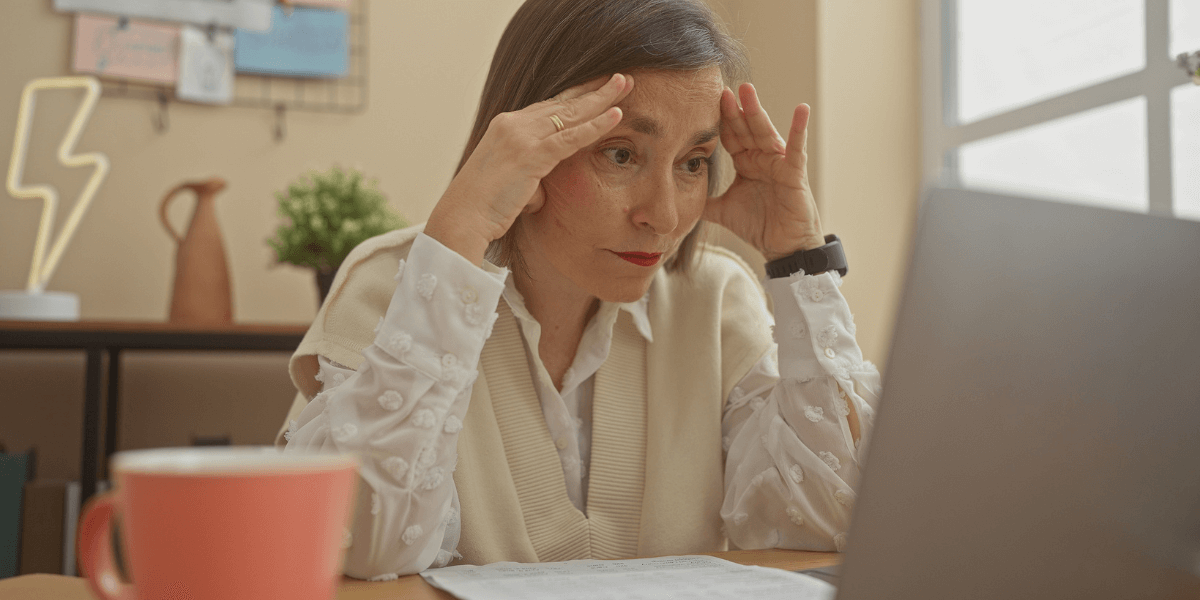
942 135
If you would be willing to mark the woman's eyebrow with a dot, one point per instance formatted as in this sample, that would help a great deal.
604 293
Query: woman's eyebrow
706 135
648 126
645 125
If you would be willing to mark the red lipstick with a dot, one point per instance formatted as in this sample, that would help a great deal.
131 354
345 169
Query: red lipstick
642 259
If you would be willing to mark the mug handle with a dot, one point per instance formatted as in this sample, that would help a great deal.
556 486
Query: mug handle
95 550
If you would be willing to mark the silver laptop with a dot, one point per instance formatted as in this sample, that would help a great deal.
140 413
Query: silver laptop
1039 433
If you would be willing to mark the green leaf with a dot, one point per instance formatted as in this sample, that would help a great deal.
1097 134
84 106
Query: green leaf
326 215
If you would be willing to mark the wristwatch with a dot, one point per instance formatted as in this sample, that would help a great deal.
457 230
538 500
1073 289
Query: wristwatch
829 257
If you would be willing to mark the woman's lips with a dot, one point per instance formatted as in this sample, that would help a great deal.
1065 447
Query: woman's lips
642 259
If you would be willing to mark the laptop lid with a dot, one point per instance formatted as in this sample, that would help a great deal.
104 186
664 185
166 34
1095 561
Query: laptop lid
1039 432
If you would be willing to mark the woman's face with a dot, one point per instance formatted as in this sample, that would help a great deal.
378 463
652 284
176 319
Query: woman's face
616 210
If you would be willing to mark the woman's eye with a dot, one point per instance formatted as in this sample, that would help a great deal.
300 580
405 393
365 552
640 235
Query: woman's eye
621 156
697 164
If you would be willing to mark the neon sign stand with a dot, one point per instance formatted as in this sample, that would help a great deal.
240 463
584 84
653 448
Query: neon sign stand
34 302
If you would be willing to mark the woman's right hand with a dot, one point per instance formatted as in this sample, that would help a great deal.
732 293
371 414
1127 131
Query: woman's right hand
503 176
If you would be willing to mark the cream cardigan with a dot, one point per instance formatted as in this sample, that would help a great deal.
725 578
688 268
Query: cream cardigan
657 466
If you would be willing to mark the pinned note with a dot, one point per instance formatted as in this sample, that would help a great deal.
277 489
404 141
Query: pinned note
342 4
113 47
205 66
302 42
246 14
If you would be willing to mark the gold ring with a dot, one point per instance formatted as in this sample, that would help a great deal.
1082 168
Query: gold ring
558 124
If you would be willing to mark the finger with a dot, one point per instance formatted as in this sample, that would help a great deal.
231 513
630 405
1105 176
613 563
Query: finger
766 138
797 145
581 89
570 140
735 135
589 105
537 200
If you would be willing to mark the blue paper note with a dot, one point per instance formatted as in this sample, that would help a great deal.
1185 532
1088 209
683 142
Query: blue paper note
309 42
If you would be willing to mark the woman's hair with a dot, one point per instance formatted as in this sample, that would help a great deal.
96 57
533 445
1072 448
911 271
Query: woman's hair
552 45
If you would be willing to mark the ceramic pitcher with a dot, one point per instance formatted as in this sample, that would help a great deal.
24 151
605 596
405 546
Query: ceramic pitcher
202 293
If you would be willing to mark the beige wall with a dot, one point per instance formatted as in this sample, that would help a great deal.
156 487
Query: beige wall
427 64
870 168
857 65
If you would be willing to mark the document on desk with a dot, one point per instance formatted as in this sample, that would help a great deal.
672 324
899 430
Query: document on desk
691 577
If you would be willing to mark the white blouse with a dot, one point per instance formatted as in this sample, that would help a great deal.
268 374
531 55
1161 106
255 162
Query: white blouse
441 313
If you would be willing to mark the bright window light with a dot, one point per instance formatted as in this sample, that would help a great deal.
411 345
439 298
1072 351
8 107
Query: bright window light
1096 157
1017 52
1185 26
1185 150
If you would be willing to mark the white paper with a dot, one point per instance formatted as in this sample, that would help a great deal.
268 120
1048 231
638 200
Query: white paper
205 67
684 577
245 14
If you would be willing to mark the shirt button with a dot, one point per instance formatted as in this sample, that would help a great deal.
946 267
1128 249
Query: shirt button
561 443
469 296
830 353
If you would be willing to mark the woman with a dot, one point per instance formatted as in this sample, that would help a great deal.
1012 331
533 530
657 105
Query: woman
612 388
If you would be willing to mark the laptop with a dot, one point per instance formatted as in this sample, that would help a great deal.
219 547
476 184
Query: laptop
1039 432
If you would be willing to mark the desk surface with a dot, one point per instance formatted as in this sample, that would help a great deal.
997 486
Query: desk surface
149 326
148 335
412 587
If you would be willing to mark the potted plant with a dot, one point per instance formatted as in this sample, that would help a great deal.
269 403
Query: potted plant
327 215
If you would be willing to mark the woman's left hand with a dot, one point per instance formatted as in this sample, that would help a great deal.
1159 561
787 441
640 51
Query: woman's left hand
770 204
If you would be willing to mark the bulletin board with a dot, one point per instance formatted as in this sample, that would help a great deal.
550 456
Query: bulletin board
344 93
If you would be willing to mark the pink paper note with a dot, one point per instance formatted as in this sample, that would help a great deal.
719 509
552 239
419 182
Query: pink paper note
131 49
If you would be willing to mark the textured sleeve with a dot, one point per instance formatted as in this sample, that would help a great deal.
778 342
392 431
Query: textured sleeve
402 409
792 464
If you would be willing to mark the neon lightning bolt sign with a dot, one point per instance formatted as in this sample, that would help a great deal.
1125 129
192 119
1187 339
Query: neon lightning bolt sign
43 265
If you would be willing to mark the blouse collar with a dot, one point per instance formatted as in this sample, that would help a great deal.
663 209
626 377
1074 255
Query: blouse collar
605 317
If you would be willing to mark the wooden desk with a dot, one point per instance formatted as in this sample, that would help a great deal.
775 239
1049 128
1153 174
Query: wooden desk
412 587
97 337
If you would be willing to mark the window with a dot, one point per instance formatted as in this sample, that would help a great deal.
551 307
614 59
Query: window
1075 100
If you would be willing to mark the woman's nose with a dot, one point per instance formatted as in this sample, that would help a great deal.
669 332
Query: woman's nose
657 205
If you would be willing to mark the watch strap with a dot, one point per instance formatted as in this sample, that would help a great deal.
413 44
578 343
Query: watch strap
830 257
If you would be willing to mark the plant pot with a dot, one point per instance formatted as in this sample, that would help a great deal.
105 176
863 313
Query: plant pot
324 282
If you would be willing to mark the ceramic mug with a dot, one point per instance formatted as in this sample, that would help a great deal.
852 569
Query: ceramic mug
221 523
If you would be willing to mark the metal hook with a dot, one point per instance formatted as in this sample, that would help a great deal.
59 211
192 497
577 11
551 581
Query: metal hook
280 122
123 23
161 121
211 32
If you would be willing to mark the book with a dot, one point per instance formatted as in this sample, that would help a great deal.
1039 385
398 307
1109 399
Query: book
43 527
15 470
71 527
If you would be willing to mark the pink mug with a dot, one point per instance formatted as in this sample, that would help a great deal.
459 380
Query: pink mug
221 523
